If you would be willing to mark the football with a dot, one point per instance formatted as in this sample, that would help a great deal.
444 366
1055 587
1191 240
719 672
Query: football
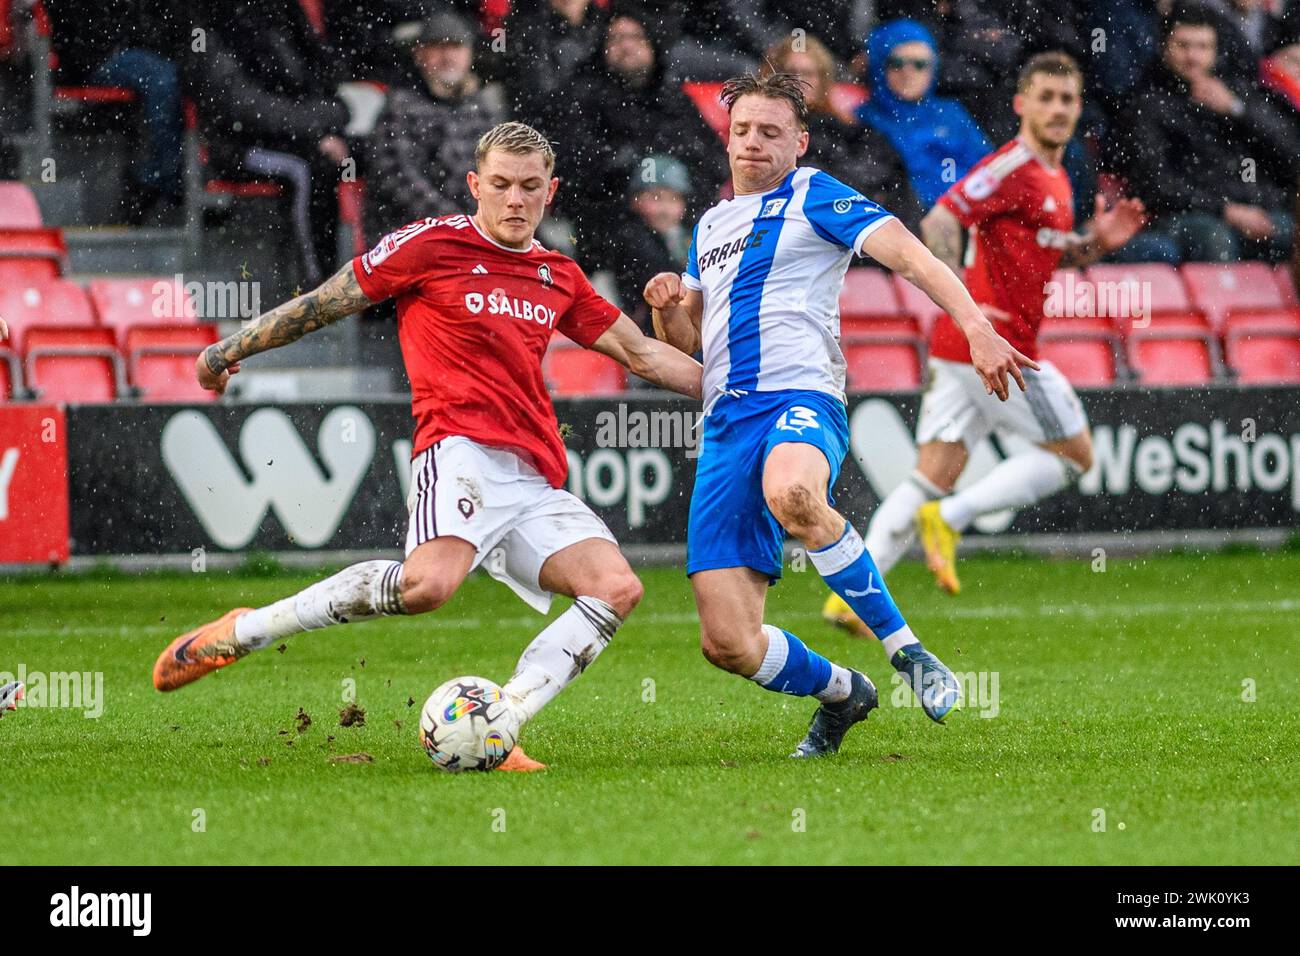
466 724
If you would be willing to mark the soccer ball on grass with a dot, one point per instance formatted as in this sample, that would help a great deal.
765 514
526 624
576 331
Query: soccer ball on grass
467 724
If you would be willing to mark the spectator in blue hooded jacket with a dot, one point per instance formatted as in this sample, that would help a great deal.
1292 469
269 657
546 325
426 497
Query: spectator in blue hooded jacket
937 138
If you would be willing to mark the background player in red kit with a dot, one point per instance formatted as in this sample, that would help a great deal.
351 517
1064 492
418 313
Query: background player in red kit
478 299
1018 204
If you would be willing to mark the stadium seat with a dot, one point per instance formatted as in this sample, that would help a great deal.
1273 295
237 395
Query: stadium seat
1250 320
916 303
123 303
1172 356
705 98
882 363
573 371
11 375
1265 356
1086 357
18 207
42 303
1158 280
160 361
868 293
73 365
1286 283
1218 288
26 254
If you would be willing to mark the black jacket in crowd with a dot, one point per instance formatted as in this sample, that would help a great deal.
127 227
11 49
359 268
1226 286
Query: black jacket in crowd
1180 156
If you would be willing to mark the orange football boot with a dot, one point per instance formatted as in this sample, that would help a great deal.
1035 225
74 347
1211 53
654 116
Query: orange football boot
519 762
199 652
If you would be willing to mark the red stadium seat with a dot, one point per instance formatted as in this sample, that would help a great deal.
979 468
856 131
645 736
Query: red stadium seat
1269 320
1172 357
1265 356
868 293
48 302
73 364
1218 288
1085 357
1159 282
122 303
705 98
882 363
11 375
36 253
916 303
18 206
573 371
160 361
1286 283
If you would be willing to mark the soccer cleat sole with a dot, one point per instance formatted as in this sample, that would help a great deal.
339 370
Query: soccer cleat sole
939 541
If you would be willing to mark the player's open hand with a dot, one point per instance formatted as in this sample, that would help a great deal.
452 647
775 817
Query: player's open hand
1116 226
994 359
213 381
665 290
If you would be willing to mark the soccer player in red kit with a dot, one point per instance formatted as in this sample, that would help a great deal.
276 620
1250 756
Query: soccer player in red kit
478 299
1019 207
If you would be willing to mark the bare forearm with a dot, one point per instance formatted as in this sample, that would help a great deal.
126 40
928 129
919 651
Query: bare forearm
663 364
337 297
936 279
674 326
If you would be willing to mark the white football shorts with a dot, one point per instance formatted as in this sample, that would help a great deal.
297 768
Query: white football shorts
955 407
503 506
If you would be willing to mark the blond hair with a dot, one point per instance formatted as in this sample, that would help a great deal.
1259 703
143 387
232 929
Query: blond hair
776 58
517 138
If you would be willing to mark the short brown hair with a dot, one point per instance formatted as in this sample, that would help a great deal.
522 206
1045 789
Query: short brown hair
777 54
517 138
1052 63
775 86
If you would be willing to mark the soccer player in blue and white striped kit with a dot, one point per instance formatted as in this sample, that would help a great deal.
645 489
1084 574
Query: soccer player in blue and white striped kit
761 296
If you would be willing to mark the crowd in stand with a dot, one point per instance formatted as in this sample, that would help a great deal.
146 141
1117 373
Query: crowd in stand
1193 107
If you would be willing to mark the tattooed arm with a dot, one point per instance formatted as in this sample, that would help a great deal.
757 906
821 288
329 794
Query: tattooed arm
337 297
942 234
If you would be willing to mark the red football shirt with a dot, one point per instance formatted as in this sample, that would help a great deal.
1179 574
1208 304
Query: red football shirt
474 318
1019 210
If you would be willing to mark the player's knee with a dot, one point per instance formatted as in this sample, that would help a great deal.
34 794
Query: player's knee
621 590
795 506
422 593
726 651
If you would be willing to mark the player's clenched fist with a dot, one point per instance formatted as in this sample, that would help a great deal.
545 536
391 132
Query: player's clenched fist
665 290
213 379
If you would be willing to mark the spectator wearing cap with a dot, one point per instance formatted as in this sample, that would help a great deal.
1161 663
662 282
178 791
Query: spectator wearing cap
858 156
627 106
425 138
651 235
937 138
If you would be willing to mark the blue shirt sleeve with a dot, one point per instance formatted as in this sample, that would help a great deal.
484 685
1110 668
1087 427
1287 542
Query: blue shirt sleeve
691 277
839 214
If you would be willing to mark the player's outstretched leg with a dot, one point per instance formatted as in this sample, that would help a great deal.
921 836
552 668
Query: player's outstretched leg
795 482
360 592
733 638
605 591
890 533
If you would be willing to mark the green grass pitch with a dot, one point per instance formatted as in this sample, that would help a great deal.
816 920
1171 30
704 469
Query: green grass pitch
1127 693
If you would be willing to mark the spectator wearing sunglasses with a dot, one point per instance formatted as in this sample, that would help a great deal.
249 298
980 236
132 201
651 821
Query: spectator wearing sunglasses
936 137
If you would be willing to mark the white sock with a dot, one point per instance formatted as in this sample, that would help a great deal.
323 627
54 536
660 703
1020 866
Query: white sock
893 526
1017 482
357 593
560 653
